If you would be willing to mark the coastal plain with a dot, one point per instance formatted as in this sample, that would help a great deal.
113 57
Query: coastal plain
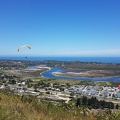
23 83
72 69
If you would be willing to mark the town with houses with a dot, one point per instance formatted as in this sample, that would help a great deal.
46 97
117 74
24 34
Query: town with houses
63 92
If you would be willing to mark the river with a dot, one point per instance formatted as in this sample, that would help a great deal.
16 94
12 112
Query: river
49 74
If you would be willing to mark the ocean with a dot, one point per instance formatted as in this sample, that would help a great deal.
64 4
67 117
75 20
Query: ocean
82 59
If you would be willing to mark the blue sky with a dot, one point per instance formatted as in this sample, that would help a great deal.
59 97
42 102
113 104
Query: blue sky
60 27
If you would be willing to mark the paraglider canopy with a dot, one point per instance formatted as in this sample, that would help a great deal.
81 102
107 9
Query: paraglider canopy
118 86
27 46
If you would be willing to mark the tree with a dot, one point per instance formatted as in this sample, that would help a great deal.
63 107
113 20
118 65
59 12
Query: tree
2 77
61 89
13 82
102 104
72 94
35 87
84 100
117 106
110 105
68 85
78 102
48 92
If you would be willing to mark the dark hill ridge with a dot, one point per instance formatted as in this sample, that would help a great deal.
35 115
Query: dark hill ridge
93 65
83 65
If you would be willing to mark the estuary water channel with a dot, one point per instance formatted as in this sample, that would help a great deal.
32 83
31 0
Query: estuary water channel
49 74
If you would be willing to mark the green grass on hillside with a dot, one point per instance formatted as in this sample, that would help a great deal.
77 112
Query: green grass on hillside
14 107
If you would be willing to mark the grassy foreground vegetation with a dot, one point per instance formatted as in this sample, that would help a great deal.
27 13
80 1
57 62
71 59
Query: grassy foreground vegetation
14 107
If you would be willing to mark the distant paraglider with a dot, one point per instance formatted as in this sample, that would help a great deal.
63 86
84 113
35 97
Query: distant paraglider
23 47
26 46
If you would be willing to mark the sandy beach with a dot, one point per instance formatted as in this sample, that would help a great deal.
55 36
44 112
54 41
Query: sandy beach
41 67
87 73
